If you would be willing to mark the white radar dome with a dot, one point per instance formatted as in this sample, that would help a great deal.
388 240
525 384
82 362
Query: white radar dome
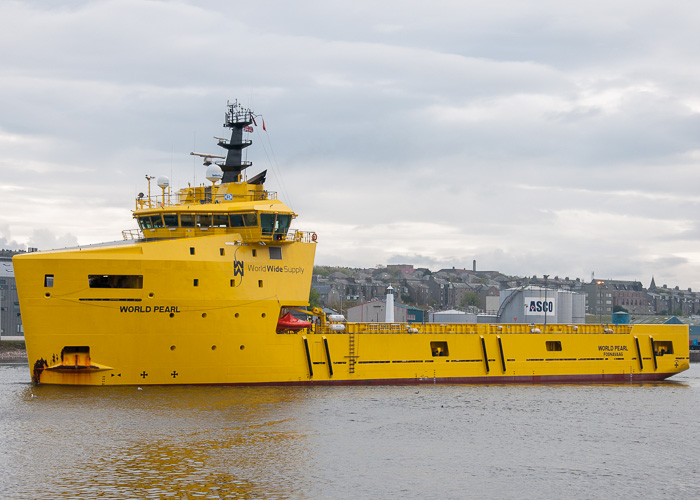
214 173
163 182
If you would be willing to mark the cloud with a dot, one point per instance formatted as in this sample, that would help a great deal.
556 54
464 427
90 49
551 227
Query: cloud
44 239
6 241
538 139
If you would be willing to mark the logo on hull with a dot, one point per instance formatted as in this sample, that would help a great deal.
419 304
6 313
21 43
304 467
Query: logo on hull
238 267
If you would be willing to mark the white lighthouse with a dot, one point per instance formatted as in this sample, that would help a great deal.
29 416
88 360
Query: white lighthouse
389 305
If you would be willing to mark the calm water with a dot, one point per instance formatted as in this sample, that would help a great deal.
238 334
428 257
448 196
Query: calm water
441 442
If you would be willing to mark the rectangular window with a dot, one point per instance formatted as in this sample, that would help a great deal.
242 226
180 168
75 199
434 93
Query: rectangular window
267 222
554 345
275 224
48 280
255 252
236 220
187 220
220 220
231 283
157 221
115 281
191 250
203 220
170 220
250 220
221 251
196 282
145 222
260 283
244 220
439 349
275 253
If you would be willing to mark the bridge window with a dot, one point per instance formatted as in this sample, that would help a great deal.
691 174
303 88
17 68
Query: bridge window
151 222
187 220
157 221
220 220
115 281
277 224
145 222
244 220
203 220
170 220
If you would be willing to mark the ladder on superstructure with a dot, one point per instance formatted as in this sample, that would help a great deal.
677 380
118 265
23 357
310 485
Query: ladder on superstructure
351 353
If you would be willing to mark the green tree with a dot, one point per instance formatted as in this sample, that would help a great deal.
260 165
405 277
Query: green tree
314 298
470 299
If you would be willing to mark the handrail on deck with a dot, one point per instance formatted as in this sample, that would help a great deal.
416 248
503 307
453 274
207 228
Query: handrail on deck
201 198
132 234
480 329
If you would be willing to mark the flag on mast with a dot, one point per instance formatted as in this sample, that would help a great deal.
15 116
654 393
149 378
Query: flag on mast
264 125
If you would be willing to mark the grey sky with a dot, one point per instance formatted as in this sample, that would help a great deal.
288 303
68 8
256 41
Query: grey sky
535 137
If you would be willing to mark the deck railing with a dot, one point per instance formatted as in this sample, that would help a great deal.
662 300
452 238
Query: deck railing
201 198
470 328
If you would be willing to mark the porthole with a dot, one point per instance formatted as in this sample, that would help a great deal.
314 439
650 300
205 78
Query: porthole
263 315
236 315
172 347
242 347
213 348
151 295
172 315
204 315
47 295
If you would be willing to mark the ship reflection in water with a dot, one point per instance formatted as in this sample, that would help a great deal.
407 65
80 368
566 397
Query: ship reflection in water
528 441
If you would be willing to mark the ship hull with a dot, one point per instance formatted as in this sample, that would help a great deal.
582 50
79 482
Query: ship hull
210 316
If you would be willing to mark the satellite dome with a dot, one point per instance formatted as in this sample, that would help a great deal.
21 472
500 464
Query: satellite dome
163 182
214 173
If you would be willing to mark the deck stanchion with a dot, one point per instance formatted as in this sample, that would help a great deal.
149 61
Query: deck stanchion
308 357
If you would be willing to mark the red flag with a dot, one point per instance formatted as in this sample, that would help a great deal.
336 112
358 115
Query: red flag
264 125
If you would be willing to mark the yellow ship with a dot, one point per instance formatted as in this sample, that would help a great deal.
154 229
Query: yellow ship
203 291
